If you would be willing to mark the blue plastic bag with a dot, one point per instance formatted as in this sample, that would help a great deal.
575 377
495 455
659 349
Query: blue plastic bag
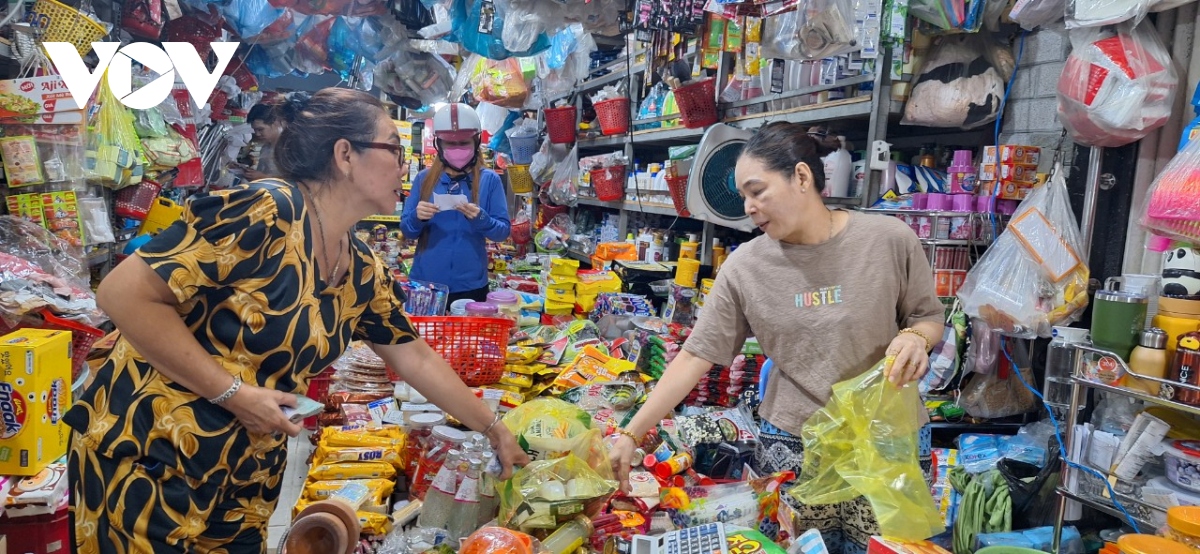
467 15
250 17
343 46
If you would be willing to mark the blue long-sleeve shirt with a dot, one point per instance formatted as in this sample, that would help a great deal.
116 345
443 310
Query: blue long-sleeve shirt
455 252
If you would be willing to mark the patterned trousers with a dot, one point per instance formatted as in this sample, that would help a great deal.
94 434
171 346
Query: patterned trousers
846 527
127 506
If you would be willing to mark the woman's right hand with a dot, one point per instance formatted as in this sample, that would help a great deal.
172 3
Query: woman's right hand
620 455
258 409
426 210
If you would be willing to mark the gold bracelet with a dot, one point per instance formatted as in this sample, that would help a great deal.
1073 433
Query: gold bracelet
625 432
911 331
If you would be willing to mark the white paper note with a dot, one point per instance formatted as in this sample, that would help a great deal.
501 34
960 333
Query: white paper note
449 201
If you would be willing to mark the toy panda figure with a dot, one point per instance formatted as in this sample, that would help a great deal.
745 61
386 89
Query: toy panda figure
1181 272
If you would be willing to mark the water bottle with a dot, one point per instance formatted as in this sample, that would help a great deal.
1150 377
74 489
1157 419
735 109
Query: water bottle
439 499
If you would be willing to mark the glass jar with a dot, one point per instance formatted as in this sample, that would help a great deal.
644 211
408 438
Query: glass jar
420 429
442 440
1183 525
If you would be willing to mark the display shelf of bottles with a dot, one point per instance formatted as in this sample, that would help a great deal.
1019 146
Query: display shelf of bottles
1166 393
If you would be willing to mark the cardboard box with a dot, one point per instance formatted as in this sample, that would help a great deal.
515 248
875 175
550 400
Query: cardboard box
35 391
880 545
41 494
21 98
1012 154
1007 190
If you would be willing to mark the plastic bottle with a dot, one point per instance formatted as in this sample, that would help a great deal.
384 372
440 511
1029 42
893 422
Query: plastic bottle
858 177
838 171
465 518
570 536
925 156
962 173
439 499
1149 358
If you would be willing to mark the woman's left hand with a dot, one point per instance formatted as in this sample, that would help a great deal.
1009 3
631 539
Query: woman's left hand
470 210
909 359
507 450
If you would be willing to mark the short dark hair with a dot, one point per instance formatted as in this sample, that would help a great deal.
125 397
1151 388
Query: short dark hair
781 145
305 148
284 109
261 112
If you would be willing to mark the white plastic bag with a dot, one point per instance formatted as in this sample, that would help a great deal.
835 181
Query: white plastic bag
1031 14
563 189
961 83
1097 13
1118 84
1035 276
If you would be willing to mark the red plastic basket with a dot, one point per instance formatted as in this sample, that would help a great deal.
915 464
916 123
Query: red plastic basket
560 124
613 116
318 389
474 346
678 187
135 201
609 183
521 232
697 103
82 336
546 213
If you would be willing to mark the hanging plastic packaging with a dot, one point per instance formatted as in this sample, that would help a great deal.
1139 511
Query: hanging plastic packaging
864 443
563 190
250 17
478 26
816 29
522 24
1035 276
1117 86
547 493
1173 206
1031 14
961 83
1097 13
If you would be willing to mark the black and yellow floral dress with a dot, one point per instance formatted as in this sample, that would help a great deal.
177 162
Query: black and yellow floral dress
154 467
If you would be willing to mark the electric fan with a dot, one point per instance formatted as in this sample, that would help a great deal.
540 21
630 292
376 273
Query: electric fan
712 193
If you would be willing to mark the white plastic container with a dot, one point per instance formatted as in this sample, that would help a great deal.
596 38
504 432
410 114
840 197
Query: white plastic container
838 171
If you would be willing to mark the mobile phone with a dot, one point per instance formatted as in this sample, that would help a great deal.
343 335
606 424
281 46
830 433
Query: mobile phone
305 407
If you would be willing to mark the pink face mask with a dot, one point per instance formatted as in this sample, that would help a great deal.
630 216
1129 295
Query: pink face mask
458 157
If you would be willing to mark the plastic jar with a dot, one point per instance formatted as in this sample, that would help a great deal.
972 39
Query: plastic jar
481 309
420 429
506 303
459 307
1183 525
1150 544
441 441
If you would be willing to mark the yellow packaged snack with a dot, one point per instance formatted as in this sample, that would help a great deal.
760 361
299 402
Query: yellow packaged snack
523 354
380 490
566 267
560 308
515 379
352 470
331 454
301 504
592 366
356 439
508 388
375 524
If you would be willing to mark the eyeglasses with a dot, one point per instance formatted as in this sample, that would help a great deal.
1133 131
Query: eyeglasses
395 148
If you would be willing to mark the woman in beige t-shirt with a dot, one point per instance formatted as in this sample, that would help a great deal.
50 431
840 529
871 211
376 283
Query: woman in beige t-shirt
827 293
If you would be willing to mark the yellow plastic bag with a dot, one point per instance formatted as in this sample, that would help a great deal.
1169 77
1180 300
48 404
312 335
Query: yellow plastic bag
114 155
548 493
549 428
864 443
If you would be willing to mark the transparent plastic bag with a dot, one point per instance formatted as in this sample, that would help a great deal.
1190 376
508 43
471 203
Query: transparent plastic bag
1035 275
749 504
41 270
1096 13
549 428
522 24
1173 207
547 493
542 166
1000 393
1031 14
250 17
1117 86
563 188
961 83
864 443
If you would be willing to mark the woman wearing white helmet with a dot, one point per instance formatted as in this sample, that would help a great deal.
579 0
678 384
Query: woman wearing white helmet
451 246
